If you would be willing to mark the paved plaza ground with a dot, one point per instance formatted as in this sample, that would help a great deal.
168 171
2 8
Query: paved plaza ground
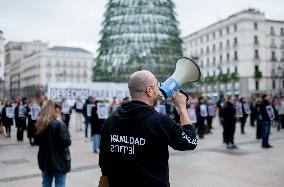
211 164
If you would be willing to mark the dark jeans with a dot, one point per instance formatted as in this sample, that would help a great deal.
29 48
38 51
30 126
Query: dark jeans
258 128
209 123
87 124
266 125
47 179
243 123
229 131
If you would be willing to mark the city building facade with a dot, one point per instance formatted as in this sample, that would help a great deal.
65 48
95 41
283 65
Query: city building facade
15 52
240 55
56 64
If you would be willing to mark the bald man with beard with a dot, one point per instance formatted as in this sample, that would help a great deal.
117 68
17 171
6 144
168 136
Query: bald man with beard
135 138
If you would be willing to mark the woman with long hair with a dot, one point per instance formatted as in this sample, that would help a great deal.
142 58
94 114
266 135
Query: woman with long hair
54 140
7 117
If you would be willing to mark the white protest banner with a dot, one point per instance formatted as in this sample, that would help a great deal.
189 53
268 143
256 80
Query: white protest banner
211 110
246 108
203 110
10 112
239 111
65 108
161 109
100 90
89 109
35 110
22 111
79 105
102 110
270 112
192 115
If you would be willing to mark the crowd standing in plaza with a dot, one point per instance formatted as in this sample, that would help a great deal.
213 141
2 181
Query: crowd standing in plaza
261 112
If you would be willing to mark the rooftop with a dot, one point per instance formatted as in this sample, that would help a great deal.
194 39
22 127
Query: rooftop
250 11
69 49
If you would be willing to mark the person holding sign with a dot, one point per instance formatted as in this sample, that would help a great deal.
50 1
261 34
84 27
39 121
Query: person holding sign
7 117
229 123
201 113
78 106
135 137
267 115
66 111
245 112
211 114
87 112
32 111
20 118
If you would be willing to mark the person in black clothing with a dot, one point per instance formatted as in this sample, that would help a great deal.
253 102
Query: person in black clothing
258 120
20 119
243 119
7 117
66 111
267 115
201 116
135 138
96 128
54 140
252 112
229 123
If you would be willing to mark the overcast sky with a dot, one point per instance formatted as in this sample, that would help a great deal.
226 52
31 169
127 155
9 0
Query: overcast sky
78 22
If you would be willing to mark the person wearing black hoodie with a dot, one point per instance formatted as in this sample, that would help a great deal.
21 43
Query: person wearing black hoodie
229 123
135 138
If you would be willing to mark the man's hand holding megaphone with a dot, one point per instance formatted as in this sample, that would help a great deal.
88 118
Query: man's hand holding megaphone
186 71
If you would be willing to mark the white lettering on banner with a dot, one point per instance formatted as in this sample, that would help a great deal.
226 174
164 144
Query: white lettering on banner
100 90
191 141
131 141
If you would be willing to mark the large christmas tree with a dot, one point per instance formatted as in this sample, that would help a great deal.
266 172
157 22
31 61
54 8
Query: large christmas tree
138 34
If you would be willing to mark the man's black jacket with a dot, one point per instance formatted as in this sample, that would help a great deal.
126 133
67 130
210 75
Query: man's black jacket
134 145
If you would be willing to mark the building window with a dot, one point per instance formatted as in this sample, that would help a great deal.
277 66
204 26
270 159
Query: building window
207 49
221 58
282 56
228 70
273 56
282 44
220 33
273 45
255 40
214 35
256 55
201 51
201 39
214 60
201 63
255 26
256 85
236 69
273 84
207 37
214 47
228 43
228 30
282 32
207 62
228 57
235 41
272 31
235 27
220 46
236 56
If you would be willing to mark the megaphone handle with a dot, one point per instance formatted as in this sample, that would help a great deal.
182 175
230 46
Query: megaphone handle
184 94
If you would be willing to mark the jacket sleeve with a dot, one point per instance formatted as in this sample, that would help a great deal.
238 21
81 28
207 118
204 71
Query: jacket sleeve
64 136
178 137
104 147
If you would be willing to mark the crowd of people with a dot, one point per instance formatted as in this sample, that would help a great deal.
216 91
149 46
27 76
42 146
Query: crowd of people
35 115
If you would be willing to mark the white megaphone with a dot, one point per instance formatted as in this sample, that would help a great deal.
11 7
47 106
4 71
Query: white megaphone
186 71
